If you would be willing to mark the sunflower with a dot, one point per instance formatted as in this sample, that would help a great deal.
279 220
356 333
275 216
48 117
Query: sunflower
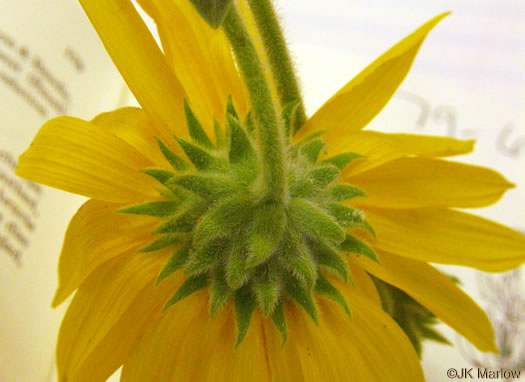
249 256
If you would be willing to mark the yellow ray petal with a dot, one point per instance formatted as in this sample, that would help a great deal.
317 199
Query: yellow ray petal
139 59
108 314
364 286
445 236
95 235
426 182
379 148
200 56
438 294
79 157
135 127
361 99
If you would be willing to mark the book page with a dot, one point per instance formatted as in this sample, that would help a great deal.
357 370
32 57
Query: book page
467 82
51 63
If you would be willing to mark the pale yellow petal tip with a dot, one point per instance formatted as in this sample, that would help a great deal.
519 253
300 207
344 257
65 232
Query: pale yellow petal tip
59 297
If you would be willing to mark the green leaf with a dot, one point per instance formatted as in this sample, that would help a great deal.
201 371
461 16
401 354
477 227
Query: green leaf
324 288
176 262
342 160
189 286
323 176
354 245
213 11
201 159
220 292
240 146
160 208
341 192
331 258
312 149
279 321
161 175
346 216
267 229
314 221
303 297
165 241
244 306
176 161
195 129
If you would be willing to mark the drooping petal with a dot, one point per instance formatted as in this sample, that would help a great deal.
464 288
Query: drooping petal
139 59
439 235
200 56
79 157
426 182
94 236
108 316
361 99
438 294
379 148
135 127
338 349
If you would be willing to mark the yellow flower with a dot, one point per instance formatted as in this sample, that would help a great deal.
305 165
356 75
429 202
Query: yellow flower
117 314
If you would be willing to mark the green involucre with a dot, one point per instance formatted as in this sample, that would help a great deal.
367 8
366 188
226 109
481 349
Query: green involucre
246 249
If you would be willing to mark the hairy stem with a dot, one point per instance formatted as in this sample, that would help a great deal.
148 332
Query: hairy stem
268 125
279 57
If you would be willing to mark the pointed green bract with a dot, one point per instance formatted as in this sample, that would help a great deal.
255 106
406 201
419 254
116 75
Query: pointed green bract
206 186
267 291
157 208
312 149
164 242
280 321
295 257
240 146
244 305
315 221
322 176
342 192
342 160
205 258
213 11
176 161
354 245
220 292
176 262
267 229
324 288
161 175
331 257
288 116
303 297
201 159
230 108
220 138
236 273
189 286
195 129
346 216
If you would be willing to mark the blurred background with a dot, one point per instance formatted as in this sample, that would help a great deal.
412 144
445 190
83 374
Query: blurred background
468 82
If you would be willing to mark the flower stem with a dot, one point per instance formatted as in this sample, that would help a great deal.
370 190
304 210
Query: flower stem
279 57
268 125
